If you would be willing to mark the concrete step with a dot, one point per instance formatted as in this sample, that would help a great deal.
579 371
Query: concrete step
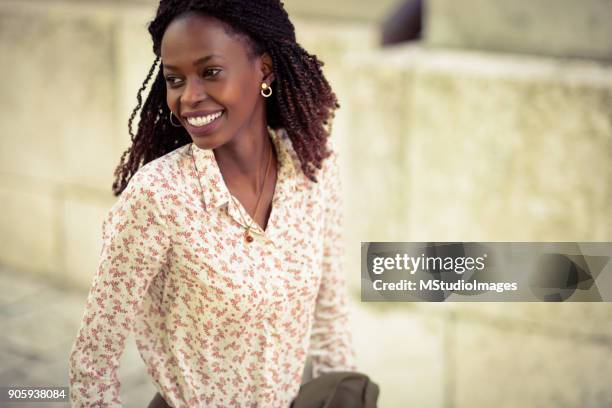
566 28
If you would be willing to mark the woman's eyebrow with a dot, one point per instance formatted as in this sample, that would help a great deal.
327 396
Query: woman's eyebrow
196 62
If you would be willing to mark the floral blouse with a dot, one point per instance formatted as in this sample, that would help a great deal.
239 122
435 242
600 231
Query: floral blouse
218 321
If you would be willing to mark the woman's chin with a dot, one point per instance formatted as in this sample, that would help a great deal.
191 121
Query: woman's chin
205 144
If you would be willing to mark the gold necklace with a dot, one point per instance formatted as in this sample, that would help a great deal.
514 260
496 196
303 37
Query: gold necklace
247 235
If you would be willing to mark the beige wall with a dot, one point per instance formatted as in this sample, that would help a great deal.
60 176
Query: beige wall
436 145
562 28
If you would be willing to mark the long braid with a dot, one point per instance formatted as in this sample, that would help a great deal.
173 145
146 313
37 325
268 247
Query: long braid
303 102
125 171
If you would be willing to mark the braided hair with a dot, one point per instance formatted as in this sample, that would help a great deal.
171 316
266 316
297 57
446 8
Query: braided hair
303 102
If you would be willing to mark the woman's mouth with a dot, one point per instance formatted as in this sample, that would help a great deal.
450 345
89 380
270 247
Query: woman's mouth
203 125
204 120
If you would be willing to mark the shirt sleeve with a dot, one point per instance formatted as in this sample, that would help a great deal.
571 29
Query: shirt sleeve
331 346
135 247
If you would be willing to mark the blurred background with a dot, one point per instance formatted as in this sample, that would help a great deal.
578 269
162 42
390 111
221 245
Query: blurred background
480 120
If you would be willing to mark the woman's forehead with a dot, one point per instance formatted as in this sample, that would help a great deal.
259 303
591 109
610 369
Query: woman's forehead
195 35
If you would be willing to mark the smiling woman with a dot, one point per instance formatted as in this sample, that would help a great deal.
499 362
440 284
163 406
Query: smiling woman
214 81
222 253
261 39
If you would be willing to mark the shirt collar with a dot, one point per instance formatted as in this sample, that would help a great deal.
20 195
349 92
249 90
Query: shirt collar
214 189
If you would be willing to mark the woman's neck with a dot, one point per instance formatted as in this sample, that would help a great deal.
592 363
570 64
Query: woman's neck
243 161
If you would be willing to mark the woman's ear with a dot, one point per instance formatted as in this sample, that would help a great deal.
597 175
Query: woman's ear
266 68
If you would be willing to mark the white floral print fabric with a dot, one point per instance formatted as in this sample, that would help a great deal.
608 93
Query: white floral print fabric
218 321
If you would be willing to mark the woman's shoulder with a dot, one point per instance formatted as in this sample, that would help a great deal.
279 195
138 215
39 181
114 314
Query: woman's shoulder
161 171
329 165
157 178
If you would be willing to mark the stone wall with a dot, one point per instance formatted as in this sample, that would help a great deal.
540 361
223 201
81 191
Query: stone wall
435 145
445 145
561 28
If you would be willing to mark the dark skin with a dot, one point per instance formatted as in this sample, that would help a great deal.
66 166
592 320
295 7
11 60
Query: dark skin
228 80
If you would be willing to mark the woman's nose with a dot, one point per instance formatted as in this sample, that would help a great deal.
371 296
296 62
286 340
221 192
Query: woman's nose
194 92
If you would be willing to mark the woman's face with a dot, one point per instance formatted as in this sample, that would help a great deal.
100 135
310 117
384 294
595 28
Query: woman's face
212 81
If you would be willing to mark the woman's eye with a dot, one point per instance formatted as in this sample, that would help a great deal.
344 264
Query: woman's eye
208 73
170 80
211 72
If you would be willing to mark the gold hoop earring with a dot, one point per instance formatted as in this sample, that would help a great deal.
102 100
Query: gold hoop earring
171 113
266 90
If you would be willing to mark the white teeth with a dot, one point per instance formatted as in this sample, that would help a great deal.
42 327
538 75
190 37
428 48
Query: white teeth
203 120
